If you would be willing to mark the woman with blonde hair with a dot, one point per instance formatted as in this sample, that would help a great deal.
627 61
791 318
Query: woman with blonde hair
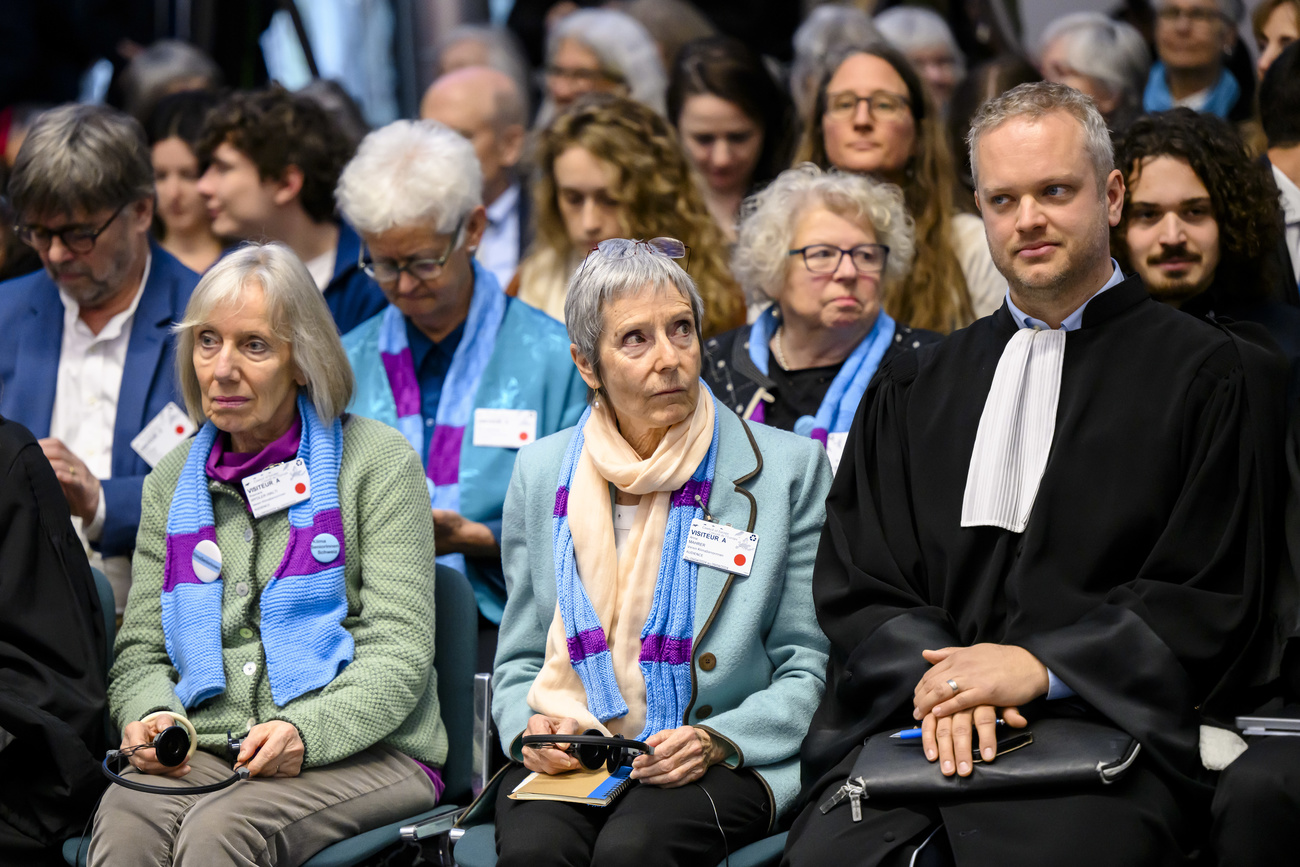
611 168
874 116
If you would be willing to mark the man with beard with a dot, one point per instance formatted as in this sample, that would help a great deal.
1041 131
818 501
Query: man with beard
86 344
1056 511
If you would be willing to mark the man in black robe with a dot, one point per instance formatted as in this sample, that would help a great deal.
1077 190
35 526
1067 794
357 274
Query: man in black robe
1056 511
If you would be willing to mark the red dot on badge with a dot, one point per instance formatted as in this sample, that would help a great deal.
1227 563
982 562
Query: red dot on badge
180 428
523 435
740 559
300 488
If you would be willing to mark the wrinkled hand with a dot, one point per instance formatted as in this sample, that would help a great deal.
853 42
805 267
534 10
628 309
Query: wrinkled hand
272 749
1001 675
682 755
455 534
550 760
146 761
948 739
79 484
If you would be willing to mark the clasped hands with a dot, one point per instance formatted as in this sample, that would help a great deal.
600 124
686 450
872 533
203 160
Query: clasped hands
682 755
991 679
270 749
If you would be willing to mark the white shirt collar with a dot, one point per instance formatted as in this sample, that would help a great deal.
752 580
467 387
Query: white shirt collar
1290 195
1075 319
504 205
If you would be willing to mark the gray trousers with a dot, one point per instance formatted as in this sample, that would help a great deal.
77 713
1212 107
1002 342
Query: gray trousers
280 822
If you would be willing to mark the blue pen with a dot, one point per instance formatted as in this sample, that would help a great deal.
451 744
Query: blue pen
913 734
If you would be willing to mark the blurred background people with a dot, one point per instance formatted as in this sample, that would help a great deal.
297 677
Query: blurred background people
600 50
734 122
985 81
182 225
824 34
925 40
273 159
1104 58
1276 24
612 168
1193 40
821 248
485 45
486 107
1279 107
167 66
874 116
672 24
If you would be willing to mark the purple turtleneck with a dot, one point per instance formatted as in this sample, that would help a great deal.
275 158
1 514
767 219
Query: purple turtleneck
234 467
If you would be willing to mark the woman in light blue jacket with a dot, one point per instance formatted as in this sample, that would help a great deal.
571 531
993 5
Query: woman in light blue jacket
614 620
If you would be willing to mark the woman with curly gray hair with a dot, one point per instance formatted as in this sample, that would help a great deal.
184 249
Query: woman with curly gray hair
823 247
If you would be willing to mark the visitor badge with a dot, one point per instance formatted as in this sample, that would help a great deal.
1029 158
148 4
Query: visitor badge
168 429
835 448
504 428
725 548
277 487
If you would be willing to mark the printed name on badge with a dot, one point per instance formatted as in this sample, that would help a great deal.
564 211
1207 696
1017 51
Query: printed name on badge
504 428
168 429
725 548
277 487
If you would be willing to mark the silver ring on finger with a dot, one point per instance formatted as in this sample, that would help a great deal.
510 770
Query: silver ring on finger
953 684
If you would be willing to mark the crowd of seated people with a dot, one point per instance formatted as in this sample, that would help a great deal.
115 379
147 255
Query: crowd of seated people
907 385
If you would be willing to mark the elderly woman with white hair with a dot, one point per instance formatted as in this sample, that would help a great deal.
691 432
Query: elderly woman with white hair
926 40
617 622
283 583
1106 59
824 248
601 50
467 374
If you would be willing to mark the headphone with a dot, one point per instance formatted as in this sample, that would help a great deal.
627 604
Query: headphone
593 749
173 746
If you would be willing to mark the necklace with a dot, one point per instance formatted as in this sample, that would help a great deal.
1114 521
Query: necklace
777 349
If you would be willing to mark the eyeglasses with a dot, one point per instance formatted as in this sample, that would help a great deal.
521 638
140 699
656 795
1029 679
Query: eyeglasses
1195 15
867 259
389 270
882 105
78 239
586 76
624 248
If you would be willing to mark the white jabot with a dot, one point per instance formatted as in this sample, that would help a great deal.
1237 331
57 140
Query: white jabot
1291 212
1015 432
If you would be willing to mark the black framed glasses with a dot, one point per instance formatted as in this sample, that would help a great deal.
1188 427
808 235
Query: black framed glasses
881 104
1195 14
78 239
867 259
624 248
390 270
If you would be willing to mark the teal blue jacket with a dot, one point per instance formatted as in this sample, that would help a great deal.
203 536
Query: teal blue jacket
759 658
531 368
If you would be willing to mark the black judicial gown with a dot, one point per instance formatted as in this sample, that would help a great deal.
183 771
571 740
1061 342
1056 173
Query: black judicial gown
1139 580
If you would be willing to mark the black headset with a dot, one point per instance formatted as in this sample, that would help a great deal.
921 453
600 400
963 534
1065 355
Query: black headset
172 746
593 749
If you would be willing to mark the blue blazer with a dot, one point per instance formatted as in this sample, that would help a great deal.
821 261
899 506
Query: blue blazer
758 667
351 295
31 320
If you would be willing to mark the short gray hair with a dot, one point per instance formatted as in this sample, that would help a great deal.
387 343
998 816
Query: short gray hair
914 28
410 173
761 260
827 32
1038 100
624 48
85 157
1101 48
504 54
602 279
165 67
296 313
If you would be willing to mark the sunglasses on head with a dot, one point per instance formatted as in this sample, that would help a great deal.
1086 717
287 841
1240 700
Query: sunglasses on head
624 248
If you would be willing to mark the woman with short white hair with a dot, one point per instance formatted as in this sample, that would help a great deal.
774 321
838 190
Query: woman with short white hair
824 248
926 40
1106 59
601 50
283 581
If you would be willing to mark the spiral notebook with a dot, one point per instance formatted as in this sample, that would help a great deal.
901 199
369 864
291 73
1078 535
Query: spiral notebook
595 788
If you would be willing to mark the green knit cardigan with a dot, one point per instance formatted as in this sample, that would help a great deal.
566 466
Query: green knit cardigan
386 695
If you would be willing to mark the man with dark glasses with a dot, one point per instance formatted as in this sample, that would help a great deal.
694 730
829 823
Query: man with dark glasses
85 357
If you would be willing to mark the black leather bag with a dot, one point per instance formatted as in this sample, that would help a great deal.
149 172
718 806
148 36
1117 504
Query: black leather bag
1049 753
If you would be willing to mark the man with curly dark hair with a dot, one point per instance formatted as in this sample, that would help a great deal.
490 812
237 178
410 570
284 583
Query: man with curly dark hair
273 161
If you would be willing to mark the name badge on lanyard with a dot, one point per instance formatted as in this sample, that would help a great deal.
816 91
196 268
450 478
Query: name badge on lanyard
277 487
504 428
168 429
724 548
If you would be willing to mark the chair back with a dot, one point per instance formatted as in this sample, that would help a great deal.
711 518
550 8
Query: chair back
108 608
455 648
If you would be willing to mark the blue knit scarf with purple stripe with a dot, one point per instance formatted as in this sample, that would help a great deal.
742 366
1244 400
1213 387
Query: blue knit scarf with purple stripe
665 658
303 604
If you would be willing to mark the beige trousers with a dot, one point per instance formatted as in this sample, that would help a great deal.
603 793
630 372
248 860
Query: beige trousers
280 822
